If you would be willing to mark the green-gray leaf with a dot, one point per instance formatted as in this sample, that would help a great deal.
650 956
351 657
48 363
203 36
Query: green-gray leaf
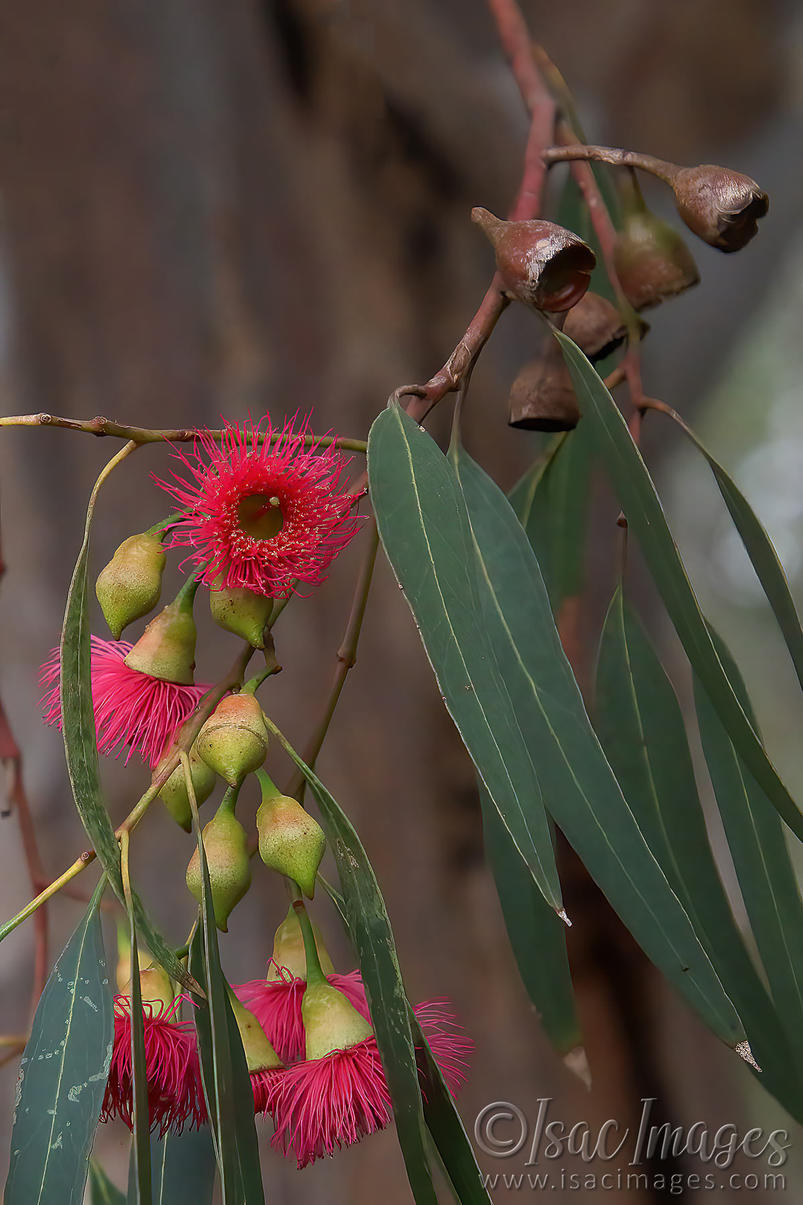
101 1189
762 554
641 728
642 507
758 847
369 925
425 532
578 785
80 746
63 1074
183 1168
227 1084
551 501
141 1137
537 935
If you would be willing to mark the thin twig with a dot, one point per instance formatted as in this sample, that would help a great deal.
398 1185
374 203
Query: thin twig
101 426
346 657
613 156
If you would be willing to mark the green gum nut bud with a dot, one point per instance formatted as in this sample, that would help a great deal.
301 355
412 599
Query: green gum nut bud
226 845
242 612
288 949
290 840
330 1021
259 1054
234 740
129 586
173 792
166 649
155 987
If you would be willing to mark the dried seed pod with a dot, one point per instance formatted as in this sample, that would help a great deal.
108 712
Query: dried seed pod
722 207
597 327
129 586
542 397
234 740
541 264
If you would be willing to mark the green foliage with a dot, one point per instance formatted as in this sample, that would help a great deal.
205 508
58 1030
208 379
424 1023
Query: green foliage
227 1085
639 501
367 920
63 1074
424 528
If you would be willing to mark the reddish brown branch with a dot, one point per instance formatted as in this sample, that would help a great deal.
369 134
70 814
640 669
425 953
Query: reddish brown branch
515 38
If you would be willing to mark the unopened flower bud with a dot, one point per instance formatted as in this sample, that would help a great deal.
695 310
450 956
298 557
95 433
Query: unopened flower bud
288 949
242 612
129 586
226 847
259 1053
597 326
234 740
331 1022
541 264
651 259
542 397
154 985
166 649
722 207
173 793
290 840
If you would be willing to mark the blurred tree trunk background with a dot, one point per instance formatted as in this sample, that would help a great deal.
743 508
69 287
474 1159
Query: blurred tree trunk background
225 208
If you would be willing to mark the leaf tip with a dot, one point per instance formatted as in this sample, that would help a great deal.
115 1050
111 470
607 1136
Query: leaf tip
744 1052
564 916
576 1061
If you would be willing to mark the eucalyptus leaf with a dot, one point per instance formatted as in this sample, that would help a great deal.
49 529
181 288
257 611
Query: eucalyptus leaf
183 1168
761 858
424 529
551 502
80 746
141 1148
368 923
63 1072
227 1084
642 507
762 554
577 783
447 1129
101 1189
641 727
537 936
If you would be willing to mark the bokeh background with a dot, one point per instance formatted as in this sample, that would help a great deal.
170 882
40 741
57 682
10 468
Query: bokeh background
225 208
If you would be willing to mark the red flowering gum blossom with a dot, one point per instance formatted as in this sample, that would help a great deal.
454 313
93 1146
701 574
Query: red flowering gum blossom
172 1069
277 1006
133 710
323 1104
262 510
